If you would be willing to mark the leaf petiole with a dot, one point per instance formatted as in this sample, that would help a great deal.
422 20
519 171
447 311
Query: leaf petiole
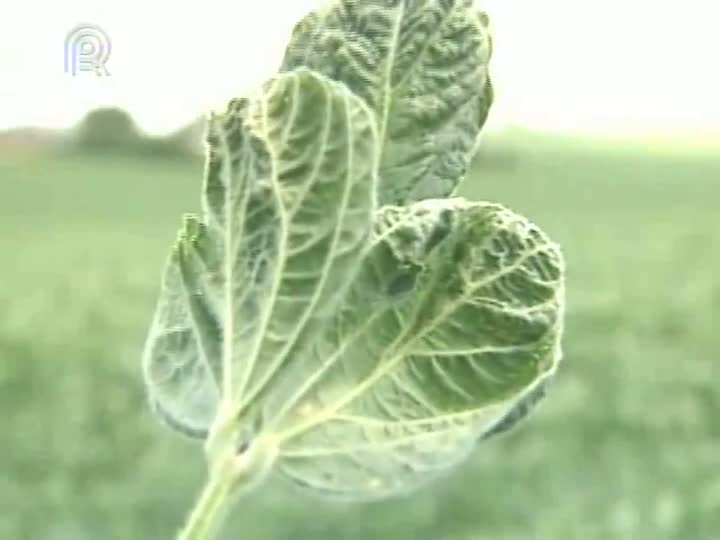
209 512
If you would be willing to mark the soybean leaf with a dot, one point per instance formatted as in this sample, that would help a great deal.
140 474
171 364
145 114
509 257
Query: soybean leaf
422 67
448 333
520 409
289 198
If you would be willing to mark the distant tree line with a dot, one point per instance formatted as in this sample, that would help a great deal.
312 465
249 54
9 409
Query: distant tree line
113 131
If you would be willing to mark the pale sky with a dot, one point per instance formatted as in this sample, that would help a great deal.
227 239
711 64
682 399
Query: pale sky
620 66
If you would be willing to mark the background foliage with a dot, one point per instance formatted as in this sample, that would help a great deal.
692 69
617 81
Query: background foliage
625 447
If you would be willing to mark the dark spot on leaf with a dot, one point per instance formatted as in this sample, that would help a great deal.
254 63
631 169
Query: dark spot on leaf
459 253
262 267
302 483
243 446
403 283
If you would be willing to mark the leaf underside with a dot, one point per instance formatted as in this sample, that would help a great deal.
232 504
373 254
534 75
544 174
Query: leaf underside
289 197
449 330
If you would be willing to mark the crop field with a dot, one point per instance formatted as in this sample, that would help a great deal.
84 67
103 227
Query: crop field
626 446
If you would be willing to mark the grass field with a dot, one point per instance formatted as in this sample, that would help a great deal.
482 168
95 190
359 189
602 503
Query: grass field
627 446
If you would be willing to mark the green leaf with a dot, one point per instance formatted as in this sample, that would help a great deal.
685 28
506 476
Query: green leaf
449 332
422 67
289 199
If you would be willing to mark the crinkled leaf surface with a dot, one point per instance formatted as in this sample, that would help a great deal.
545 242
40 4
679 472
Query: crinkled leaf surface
371 346
289 199
449 331
422 67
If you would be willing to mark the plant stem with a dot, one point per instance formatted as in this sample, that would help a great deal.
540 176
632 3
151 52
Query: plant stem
209 512
230 473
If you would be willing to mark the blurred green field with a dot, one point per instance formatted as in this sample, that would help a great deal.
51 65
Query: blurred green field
627 446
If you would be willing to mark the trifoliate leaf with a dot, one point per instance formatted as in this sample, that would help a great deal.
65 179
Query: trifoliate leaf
289 199
331 316
449 332
422 67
